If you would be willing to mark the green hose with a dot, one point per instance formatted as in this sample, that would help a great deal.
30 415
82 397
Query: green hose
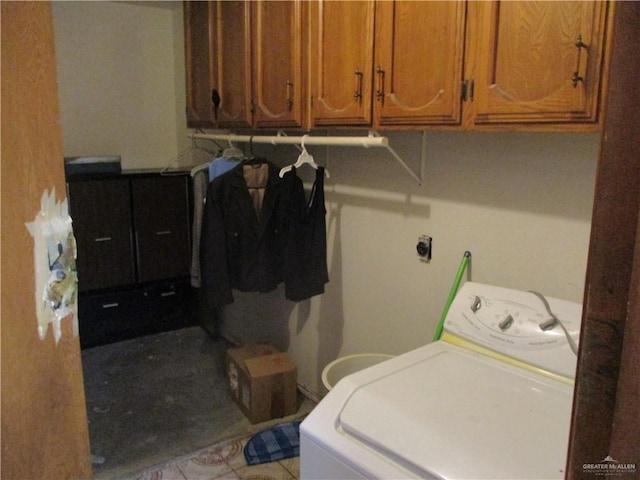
452 294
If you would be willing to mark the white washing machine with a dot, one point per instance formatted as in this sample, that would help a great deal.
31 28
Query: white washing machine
491 399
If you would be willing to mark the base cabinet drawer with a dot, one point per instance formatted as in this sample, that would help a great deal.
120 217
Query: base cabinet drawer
171 306
111 317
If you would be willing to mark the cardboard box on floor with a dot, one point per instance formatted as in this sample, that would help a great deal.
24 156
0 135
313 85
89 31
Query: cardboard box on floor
262 382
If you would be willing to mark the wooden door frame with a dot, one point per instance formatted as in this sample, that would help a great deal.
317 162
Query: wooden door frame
606 410
44 422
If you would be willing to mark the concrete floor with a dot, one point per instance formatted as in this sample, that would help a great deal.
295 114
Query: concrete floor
158 397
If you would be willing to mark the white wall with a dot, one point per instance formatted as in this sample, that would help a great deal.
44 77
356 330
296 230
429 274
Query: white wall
121 80
520 202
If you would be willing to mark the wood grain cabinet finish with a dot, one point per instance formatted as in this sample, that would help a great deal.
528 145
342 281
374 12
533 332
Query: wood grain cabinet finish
102 225
404 68
397 64
198 18
130 230
470 65
279 55
218 63
342 35
231 45
418 62
133 262
161 227
538 61
252 55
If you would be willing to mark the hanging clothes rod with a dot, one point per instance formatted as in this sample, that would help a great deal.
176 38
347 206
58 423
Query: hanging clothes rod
372 140
368 141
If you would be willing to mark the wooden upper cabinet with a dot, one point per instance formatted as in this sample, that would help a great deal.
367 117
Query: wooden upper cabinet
231 48
419 49
404 68
252 55
342 34
397 64
278 62
538 61
199 61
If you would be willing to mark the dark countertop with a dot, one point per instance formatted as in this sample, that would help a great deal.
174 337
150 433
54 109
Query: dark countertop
129 172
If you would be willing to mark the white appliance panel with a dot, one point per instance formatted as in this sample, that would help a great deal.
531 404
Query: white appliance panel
446 411
496 414
508 321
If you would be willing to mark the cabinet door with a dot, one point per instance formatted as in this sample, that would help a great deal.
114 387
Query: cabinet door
538 61
232 62
419 51
161 221
278 63
198 61
342 62
101 214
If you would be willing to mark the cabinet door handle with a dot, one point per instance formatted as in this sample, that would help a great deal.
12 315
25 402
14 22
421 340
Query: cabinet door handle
110 305
168 294
466 92
380 89
136 246
358 94
102 239
164 232
215 103
575 78
289 95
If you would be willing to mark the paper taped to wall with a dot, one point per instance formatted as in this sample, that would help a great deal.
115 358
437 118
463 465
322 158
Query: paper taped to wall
54 254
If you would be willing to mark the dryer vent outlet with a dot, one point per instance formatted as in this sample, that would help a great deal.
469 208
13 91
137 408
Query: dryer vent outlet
424 248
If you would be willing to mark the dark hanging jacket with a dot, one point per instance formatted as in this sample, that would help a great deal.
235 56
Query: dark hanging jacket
241 249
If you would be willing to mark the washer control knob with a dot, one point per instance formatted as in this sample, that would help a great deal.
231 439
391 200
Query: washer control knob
506 323
476 304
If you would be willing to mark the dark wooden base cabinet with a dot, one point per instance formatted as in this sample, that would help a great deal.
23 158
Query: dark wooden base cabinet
134 254
120 315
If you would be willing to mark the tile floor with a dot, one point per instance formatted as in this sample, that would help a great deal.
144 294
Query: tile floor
224 461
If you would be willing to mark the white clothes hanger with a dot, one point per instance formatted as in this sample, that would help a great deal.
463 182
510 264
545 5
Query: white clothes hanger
304 158
202 156
200 167
232 151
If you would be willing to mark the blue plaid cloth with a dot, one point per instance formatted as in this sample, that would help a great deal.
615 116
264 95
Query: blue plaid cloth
277 443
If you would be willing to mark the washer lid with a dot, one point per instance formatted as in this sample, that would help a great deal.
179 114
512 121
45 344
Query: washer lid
460 415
